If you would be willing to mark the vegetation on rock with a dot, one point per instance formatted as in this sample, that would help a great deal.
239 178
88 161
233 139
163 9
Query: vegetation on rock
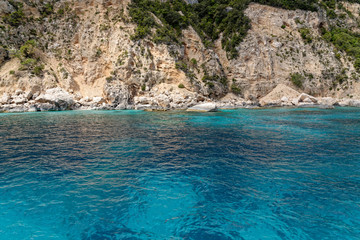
17 17
297 79
211 19
29 59
347 41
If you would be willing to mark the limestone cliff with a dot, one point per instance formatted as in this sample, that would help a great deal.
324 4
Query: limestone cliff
85 49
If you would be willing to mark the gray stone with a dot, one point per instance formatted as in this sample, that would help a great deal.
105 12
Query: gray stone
5 7
57 97
117 93
5 98
32 108
46 107
306 98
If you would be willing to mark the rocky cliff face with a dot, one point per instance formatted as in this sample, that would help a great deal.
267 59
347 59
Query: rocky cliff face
85 49
274 50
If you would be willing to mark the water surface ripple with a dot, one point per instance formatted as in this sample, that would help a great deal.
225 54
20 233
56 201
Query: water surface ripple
239 174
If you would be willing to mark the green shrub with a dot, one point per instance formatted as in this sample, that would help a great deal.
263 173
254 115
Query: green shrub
338 56
27 50
15 18
98 53
109 79
28 58
29 62
235 89
182 66
193 62
357 64
331 14
181 85
12 72
297 79
210 84
214 78
347 41
61 12
47 9
38 70
306 35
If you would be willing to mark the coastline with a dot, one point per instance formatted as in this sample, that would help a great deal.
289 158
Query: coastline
57 99
217 106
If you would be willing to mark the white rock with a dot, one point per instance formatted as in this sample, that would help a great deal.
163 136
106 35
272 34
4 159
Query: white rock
35 95
284 99
5 98
55 95
18 91
32 109
121 106
19 99
277 44
86 99
306 98
46 107
327 101
203 107
98 100
143 106
62 99
349 103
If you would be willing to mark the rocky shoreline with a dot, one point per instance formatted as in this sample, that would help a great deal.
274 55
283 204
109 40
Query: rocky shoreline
57 99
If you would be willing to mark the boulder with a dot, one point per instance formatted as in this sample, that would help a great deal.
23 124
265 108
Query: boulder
21 99
17 109
6 98
306 98
32 108
98 100
18 92
328 101
325 106
355 103
121 106
46 107
230 101
58 97
284 99
349 103
5 7
143 106
203 107
117 93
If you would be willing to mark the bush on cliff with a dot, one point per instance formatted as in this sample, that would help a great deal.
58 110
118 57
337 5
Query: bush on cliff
347 41
297 79
209 18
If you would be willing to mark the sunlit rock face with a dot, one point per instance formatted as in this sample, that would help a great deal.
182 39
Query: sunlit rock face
88 51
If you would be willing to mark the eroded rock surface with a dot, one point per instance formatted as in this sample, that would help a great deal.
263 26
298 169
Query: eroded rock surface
90 61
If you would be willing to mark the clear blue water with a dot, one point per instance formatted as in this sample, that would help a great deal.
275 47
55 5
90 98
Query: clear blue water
240 174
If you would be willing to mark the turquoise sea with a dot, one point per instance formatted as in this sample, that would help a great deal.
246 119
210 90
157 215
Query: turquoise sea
235 174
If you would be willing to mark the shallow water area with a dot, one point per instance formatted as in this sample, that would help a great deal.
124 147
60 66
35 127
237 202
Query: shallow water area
234 174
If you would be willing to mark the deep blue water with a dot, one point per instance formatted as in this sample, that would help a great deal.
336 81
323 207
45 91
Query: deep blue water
240 174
